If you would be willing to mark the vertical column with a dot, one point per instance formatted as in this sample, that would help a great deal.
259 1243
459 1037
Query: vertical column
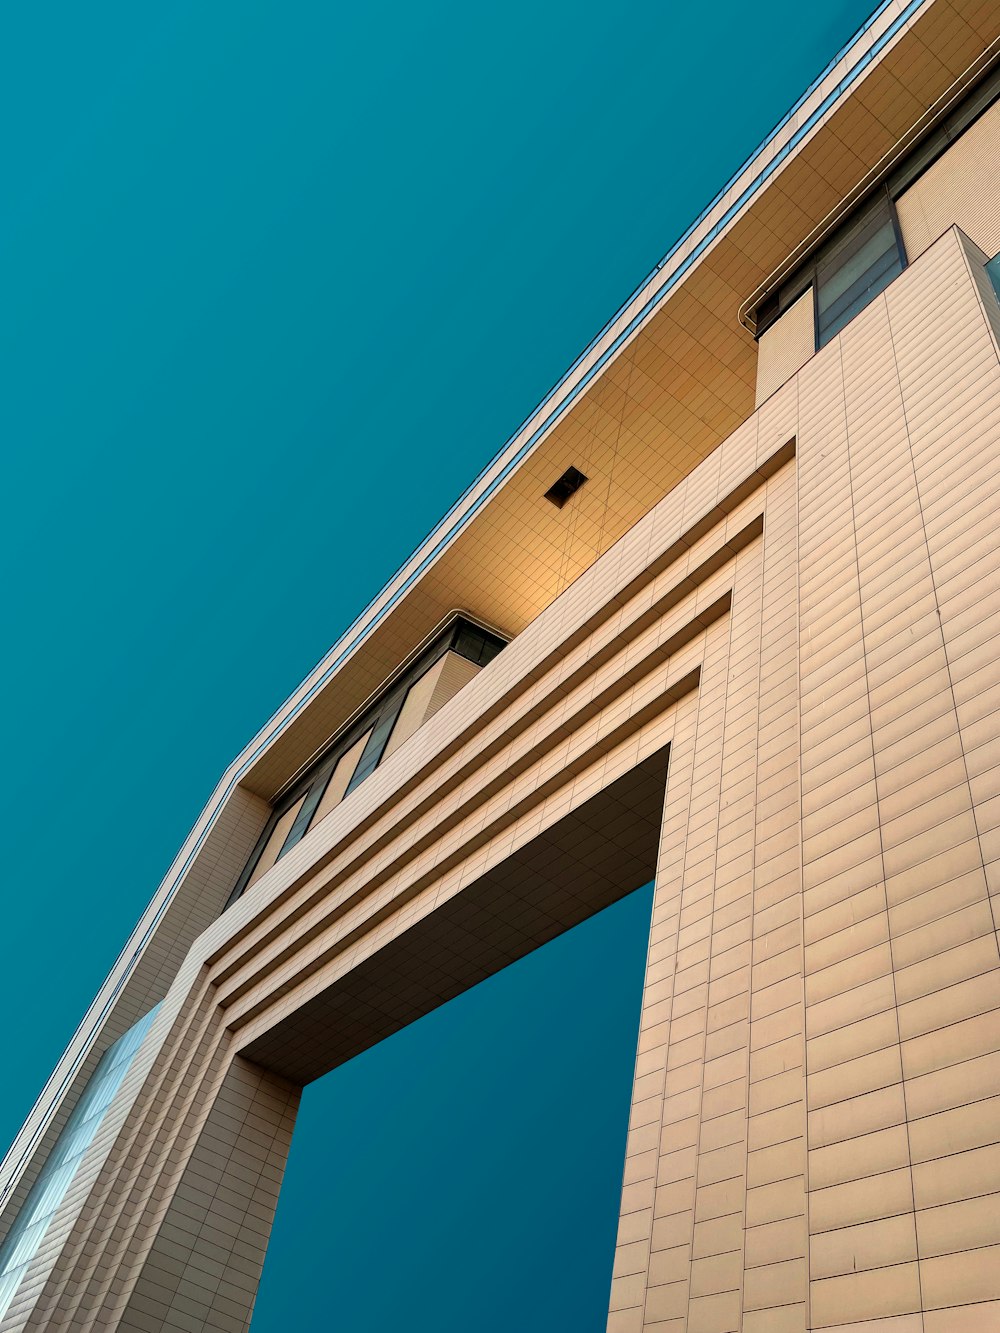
863 1242
637 1231
716 926
902 967
939 784
671 1277
205 1261
776 1232
708 1157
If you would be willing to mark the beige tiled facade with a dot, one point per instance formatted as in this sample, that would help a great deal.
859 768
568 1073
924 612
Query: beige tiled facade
961 188
816 1110
770 681
786 346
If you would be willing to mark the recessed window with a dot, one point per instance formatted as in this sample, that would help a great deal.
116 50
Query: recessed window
568 484
856 268
358 751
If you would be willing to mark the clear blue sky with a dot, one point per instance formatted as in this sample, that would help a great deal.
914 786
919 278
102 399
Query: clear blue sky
277 279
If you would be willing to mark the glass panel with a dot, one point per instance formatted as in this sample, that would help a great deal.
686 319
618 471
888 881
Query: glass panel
22 1241
835 280
377 740
303 819
858 295
993 269
341 776
477 645
272 848
469 643
491 647
859 265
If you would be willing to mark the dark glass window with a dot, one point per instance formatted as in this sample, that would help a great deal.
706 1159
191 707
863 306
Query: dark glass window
855 268
865 253
381 732
476 644
993 269
462 637
308 808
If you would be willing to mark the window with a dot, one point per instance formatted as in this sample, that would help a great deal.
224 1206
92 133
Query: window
860 263
865 253
993 270
476 644
846 275
379 737
359 750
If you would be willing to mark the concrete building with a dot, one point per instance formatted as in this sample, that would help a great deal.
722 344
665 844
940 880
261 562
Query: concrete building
724 611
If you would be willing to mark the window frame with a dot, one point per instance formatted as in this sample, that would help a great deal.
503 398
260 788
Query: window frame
895 182
385 705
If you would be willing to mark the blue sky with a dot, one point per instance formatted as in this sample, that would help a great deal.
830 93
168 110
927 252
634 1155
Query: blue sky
276 281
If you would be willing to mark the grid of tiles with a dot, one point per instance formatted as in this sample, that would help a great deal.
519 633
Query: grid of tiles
815 1138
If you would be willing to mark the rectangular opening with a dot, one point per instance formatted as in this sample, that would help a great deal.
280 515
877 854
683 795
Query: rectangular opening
568 484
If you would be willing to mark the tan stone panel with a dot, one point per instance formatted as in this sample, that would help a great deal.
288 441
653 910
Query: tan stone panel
951 1045
784 1319
962 186
718 1235
775 1284
670 1266
868 1295
964 1175
775 1203
866 1200
666 1302
868 1245
785 346
853 1040
971 1081
714 1314
966 1224
852 1159
973 1125
853 1078
716 1273
969 1276
857 1116
978 1317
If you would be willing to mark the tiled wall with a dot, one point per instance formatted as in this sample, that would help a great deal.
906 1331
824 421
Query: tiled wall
962 187
786 346
815 1140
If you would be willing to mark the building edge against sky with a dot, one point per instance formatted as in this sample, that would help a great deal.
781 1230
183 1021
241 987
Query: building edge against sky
722 610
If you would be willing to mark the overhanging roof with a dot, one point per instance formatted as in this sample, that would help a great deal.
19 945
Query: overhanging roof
669 377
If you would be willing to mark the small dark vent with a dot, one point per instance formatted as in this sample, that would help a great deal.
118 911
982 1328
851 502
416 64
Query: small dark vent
568 484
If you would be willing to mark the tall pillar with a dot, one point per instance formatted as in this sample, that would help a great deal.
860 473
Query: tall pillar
814 1120
205 1262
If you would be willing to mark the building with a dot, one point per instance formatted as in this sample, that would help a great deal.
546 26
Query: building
724 611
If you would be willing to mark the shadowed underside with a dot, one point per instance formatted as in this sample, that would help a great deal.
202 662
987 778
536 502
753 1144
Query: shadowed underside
584 862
